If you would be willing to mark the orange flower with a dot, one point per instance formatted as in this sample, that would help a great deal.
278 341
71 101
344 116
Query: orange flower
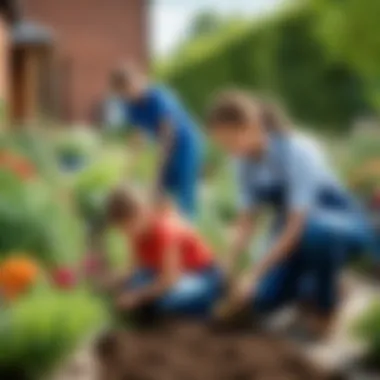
17 275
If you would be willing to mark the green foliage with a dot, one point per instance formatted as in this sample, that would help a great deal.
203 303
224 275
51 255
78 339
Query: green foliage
360 165
3 113
37 147
93 184
75 147
281 56
205 24
41 330
34 220
35 214
368 329
363 148
351 31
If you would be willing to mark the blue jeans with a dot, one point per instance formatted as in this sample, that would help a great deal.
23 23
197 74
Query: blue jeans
312 270
181 175
193 295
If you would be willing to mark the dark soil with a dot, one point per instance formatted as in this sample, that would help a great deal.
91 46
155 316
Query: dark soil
190 351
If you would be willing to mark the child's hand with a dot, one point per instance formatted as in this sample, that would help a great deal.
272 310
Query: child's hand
127 301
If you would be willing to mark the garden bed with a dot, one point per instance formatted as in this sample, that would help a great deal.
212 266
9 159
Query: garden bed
194 351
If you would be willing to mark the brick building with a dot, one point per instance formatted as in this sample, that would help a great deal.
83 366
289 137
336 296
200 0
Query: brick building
6 19
63 51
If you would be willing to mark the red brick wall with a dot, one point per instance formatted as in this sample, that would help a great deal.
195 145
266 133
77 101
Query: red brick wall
92 36
4 57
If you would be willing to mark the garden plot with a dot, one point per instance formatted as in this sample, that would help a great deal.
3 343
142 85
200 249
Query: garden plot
188 350
193 351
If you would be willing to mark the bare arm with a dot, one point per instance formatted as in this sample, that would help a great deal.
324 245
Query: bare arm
284 245
243 231
165 144
283 248
166 279
114 281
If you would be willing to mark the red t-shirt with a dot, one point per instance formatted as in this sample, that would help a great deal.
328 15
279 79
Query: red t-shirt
151 246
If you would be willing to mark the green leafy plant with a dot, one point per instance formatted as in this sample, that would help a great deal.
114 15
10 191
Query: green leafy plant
41 330
93 184
37 220
75 147
368 329
37 147
362 167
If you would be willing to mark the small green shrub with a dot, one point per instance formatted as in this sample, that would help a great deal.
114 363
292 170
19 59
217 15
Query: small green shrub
36 220
93 184
368 329
41 330
37 147
75 147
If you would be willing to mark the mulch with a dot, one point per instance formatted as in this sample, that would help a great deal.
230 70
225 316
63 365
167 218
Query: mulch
193 351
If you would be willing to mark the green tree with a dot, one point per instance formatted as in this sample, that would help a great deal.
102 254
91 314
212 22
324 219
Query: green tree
282 56
205 23
351 31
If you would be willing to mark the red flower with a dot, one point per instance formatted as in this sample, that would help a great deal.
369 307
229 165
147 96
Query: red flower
64 278
92 265
19 165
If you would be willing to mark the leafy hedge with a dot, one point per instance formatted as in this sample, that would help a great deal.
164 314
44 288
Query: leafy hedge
281 56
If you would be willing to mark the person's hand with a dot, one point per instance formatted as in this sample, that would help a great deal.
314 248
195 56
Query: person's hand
127 301
238 298
108 282
157 195
229 273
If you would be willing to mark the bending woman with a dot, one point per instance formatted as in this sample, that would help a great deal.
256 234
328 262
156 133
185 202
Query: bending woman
317 224
156 111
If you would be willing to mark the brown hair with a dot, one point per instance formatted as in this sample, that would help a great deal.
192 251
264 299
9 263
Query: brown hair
239 107
122 76
122 205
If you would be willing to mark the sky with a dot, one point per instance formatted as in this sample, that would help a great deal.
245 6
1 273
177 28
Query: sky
170 19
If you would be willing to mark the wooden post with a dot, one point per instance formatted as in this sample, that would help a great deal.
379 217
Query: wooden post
4 69
31 85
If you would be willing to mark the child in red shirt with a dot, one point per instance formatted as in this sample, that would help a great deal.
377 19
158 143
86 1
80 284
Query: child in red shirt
172 270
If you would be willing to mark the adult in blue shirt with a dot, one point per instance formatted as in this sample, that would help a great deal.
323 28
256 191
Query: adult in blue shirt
157 112
317 225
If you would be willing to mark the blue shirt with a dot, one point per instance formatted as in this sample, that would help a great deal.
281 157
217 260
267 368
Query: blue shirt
160 105
295 161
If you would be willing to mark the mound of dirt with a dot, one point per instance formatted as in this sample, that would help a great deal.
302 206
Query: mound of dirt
190 351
